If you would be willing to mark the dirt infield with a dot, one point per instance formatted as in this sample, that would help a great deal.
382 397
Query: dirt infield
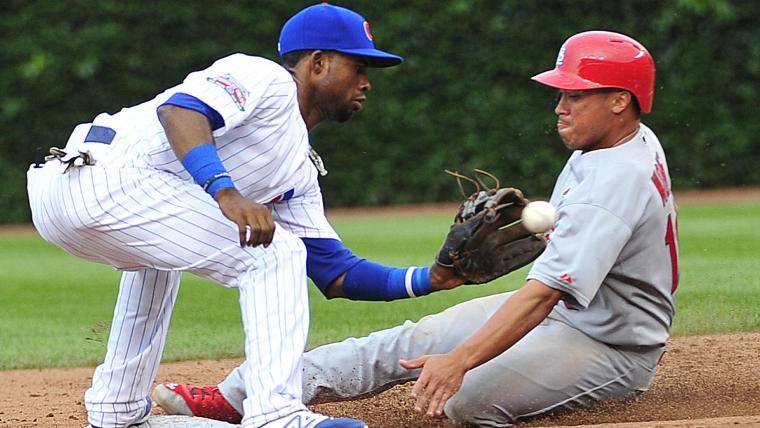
703 381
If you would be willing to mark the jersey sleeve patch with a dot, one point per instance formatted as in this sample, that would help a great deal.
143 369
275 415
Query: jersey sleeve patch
232 87
244 89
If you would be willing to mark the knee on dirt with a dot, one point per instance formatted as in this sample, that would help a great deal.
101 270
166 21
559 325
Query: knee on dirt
469 407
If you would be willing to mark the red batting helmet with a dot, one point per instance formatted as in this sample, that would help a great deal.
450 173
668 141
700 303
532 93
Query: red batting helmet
603 59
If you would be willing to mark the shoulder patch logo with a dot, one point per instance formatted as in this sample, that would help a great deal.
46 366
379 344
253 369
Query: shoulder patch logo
234 89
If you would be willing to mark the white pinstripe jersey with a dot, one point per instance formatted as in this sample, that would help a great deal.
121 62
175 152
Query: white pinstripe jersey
263 144
137 208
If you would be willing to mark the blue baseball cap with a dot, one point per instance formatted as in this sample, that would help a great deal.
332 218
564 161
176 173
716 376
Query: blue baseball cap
328 27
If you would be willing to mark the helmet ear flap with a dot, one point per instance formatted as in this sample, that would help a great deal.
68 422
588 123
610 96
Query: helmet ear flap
603 59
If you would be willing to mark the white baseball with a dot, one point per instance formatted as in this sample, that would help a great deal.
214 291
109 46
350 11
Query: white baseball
539 216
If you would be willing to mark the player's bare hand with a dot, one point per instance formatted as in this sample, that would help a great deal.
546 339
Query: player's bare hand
254 221
444 278
440 379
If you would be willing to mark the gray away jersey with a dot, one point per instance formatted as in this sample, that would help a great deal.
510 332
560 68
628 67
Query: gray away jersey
614 250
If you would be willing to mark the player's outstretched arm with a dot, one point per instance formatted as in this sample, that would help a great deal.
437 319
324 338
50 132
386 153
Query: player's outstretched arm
441 278
338 272
189 134
444 278
442 375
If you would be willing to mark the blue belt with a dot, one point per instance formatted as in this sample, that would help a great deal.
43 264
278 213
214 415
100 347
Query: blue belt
100 134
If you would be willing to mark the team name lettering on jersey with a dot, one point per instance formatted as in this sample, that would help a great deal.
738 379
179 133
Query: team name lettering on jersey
660 179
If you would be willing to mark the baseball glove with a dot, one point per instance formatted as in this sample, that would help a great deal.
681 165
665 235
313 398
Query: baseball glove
487 239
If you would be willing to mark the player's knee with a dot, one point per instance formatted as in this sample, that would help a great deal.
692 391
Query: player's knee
291 247
456 323
298 249
470 407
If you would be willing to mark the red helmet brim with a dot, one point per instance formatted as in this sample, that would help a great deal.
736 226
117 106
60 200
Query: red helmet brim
563 80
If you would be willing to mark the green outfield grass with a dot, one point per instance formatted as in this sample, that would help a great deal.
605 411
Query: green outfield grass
56 309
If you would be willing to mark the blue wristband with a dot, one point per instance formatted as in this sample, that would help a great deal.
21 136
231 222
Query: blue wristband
411 282
372 281
204 165
421 281
218 182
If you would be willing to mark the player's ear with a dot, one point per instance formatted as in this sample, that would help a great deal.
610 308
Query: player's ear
620 101
318 61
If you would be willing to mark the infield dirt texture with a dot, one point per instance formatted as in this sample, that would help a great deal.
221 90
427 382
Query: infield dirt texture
702 381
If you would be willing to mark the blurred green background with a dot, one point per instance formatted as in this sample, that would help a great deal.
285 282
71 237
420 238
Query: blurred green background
462 99
57 309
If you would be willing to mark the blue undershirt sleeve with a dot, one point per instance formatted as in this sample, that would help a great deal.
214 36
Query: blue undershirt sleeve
190 102
327 259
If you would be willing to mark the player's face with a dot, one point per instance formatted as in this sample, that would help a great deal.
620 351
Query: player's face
344 88
585 119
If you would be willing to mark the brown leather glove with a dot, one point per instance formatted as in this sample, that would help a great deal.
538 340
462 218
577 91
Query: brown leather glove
487 239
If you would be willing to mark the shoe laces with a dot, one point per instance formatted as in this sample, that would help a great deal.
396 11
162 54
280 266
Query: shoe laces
204 393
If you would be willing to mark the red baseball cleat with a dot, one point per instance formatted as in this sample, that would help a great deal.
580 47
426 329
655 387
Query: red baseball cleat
204 401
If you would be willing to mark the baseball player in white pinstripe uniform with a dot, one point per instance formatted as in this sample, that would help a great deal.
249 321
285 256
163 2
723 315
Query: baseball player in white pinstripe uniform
216 176
593 318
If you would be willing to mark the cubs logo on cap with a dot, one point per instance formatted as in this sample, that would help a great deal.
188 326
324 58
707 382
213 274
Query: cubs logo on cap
329 27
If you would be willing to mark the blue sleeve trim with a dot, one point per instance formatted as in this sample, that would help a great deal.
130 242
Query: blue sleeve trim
327 259
190 102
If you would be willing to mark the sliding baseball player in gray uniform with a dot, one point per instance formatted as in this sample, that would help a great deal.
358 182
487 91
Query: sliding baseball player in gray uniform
593 318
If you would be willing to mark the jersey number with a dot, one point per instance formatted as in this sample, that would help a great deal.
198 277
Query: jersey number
670 241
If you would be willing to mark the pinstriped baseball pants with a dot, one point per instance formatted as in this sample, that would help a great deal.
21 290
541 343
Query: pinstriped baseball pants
153 226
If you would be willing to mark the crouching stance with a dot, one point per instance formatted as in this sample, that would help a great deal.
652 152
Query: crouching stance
195 180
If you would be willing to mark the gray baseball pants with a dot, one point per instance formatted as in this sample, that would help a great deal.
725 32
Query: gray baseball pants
554 367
